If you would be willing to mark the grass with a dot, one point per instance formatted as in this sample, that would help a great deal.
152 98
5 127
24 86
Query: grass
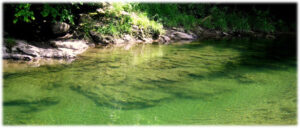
118 24
208 16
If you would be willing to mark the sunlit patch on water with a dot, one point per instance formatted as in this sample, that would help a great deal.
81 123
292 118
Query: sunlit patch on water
208 82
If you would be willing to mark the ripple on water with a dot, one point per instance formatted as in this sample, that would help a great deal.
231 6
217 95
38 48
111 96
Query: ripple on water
201 84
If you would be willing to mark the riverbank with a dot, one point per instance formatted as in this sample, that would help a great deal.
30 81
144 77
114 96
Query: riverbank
111 24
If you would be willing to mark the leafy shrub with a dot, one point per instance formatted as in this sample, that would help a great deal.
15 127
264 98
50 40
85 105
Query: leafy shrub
261 21
119 24
143 21
56 12
168 14
238 22
23 13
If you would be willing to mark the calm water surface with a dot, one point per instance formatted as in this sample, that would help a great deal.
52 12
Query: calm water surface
207 82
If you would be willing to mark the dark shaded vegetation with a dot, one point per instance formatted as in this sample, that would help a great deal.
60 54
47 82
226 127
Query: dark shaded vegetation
225 17
45 101
33 20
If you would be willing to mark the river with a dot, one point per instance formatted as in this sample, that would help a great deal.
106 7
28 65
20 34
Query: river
215 82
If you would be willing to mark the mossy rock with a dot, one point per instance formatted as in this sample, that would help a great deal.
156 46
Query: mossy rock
9 43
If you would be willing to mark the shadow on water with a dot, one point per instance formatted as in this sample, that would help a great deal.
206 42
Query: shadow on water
32 106
254 53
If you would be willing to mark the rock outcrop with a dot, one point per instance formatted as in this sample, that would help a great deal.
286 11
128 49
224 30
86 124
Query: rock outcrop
62 49
60 28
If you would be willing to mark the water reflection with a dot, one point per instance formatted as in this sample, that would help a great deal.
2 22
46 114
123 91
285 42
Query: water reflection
153 84
15 65
146 53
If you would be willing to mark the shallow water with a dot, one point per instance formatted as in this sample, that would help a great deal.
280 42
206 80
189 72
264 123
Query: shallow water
205 82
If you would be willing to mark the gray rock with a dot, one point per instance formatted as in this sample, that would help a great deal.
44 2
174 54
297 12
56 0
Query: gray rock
5 55
107 39
182 36
270 37
208 34
127 38
70 44
124 13
101 39
178 29
65 49
119 41
164 39
60 28
20 57
100 11
27 49
147 40
225 33
218 32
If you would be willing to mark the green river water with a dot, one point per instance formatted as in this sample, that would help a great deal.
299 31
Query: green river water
212 82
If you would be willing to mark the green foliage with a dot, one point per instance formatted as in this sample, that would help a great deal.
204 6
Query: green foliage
118 26
217 19
238 22
142 21
23 13
207 15
168 14
117 23
9 42
261 22
61 12
151 17
115 29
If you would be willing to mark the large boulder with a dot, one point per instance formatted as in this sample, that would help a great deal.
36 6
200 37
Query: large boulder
182 36
64 49
164 39
7 55
60 28
101 39
70 44
27 49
